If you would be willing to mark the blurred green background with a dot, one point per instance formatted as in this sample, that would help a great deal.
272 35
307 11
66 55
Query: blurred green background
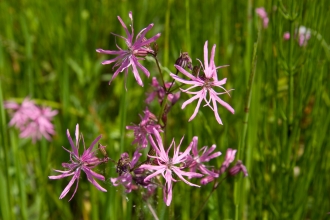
47 52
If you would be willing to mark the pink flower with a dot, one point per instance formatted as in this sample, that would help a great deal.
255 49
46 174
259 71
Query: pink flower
160 92
166 165
229 158
32 121
196 161
304 34
261 12
239 167
86 162
136 51
286 36
144 129
207 82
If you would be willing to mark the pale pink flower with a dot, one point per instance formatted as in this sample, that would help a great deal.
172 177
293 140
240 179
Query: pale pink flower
304 34
135 51
196 161
166 165
22 113
144 129
286 36
86 162
261 12
32 121
208 81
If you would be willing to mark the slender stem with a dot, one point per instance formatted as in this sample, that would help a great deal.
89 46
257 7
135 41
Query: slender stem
215 186
152 211
5 182
241 148
160 72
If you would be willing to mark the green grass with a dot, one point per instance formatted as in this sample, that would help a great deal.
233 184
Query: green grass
47 52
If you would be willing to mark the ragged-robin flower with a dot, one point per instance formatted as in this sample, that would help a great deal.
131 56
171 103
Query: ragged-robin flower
136 50
144 129
196 161
33 121
160 93
85 162
239 167
166 166
207 82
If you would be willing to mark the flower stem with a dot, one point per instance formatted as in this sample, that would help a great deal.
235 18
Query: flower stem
160 72
242 145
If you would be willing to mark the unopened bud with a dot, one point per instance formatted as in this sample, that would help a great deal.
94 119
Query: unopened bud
207 180
239 167
184 61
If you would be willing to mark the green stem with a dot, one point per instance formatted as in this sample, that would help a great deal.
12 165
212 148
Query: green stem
241 148
5 180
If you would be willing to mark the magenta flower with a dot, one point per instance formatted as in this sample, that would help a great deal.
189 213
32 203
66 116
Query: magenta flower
196 161
144 129
86 162
207 82
166 165
160 92
229 158
32 121
261 12
136 51
239 167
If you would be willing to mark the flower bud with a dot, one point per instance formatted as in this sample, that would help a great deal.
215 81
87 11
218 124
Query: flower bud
239 167
184 61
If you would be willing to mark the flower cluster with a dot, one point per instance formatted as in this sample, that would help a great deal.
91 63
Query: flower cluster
164 165
33 121
302 34
191 163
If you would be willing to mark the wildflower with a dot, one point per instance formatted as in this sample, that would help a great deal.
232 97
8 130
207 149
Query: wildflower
261 12
304 34
145 128
86 162
239 167
229 158
160 92
32 121
184 61
196 161
207 82
166 165
286 36
136 51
